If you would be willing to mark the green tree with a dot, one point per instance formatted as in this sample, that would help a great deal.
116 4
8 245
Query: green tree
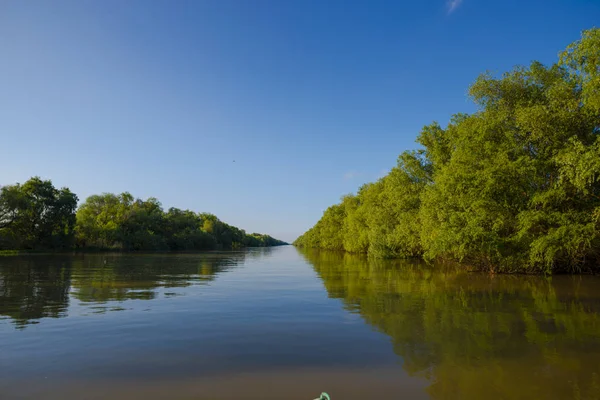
512 187
36 215
183 231
122 222
100 217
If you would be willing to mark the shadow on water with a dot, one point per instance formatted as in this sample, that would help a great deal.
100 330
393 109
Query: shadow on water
474 335
33 287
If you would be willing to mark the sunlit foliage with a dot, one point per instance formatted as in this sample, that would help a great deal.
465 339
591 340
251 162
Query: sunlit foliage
513 187
37 216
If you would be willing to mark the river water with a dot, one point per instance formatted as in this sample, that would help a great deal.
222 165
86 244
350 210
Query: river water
282 323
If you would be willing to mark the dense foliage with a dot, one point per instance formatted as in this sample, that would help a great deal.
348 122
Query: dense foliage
513 187
36 215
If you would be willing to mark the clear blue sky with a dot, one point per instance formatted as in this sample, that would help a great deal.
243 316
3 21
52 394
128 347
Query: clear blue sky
310 98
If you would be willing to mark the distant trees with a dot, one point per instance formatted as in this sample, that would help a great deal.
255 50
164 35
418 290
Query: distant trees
512 187
35 215
122 222
183 231
261 240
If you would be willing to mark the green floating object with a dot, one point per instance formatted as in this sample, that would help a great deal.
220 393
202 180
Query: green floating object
323 396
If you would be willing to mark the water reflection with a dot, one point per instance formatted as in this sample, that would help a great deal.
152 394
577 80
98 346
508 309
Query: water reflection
40 286
475 336
34 287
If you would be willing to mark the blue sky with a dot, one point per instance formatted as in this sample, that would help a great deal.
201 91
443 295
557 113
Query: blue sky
310 98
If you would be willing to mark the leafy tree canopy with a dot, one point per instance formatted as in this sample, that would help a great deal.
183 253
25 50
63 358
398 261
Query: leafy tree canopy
513 187
36 215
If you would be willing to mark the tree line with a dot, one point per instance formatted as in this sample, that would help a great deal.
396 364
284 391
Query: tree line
513 187
37 216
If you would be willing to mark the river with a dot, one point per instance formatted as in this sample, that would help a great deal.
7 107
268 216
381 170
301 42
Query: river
281 323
